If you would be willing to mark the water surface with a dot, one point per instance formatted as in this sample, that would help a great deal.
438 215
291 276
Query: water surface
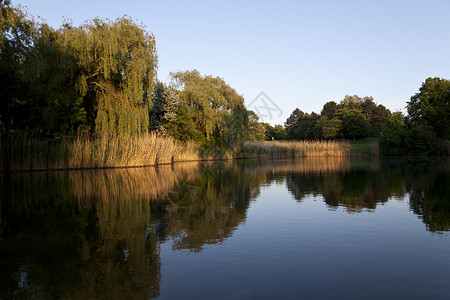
294 229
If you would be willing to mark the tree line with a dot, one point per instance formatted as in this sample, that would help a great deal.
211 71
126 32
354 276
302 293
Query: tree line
101 78
425 130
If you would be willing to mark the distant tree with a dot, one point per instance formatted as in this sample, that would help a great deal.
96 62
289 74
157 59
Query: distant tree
210 101
256 129
306 128
327 129
165 105
182 128
375 114
368 107
431 105
156 112
393 136
421 140
237 131
318 127
351 102
354 124
404 138
279 133
329 109
268 131
396 121
293 121
303 127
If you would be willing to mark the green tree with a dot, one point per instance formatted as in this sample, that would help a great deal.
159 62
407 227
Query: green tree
328 129
257 131
210 101
329 109
354 124
392 140
375 114
97 75
421 140
55 105
237 131
292 122
17 33
165 105
279 133
182 128
306 127
396 121
399 138
351 102
116 63
268 130
431 105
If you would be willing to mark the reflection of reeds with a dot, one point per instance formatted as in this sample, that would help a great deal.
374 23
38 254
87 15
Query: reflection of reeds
109 213
36 189
287 149
149 183
306 165
317 165
85 151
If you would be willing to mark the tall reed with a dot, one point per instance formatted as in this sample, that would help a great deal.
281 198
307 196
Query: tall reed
85 151
288 149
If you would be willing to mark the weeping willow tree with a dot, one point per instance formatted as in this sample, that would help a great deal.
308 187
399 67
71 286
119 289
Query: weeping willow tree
117 64
211 101
17 31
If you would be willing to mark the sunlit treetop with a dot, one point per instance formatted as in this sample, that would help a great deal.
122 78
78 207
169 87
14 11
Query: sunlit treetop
210 98
116 59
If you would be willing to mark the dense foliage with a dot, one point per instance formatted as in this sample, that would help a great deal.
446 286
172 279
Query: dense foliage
100 78
353 118
426 130
431 106
210 103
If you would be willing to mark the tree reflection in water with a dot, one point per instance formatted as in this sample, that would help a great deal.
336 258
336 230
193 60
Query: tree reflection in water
363 184
206 209
97 234
83 234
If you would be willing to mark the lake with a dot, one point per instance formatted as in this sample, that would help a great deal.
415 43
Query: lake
313 228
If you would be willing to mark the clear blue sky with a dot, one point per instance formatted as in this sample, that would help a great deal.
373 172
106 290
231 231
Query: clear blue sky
300 53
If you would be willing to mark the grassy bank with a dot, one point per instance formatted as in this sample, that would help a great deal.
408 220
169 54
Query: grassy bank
369 146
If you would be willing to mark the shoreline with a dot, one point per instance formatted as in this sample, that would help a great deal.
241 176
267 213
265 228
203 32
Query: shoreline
82 153
67 169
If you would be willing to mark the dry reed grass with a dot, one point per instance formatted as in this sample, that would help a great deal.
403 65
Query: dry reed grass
290 149
85 152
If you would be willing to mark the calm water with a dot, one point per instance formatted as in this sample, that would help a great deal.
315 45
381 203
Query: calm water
295 229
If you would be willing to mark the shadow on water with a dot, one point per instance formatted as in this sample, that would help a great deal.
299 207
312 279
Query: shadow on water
97 234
